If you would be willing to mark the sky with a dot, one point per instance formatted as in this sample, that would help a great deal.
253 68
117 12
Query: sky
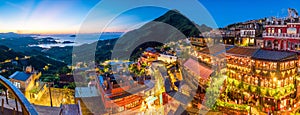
230 11
66 16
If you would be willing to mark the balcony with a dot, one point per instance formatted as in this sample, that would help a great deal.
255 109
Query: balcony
281 35
219 35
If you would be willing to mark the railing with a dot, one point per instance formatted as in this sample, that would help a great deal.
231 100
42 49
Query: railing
218 35
281 35
27 108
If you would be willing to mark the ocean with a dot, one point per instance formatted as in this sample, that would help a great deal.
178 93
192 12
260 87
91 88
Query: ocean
78 40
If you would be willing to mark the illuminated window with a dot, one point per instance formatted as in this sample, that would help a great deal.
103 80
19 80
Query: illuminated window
282 66
279 31
273 66
256 81
17 84
292 64
257 64
121 108
287 65
248 80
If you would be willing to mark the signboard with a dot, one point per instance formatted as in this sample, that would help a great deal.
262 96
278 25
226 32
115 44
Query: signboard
292 31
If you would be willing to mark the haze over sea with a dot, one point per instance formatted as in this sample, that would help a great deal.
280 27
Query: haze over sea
78 40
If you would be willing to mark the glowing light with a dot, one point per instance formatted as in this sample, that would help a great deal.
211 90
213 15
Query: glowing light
189 105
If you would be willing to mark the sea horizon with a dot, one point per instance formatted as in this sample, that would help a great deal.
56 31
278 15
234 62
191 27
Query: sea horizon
79 39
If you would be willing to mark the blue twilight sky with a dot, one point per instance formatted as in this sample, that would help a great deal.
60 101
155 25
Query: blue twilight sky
65 16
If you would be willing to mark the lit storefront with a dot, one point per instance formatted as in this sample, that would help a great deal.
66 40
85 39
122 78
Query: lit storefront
262 78
122 96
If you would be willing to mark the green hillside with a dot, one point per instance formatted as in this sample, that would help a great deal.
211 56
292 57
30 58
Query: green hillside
171 26
17 64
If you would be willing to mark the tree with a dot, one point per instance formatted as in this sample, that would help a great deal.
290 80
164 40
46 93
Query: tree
65 70
72 85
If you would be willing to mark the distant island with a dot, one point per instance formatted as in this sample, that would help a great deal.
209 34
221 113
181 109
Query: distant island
67 42
72 35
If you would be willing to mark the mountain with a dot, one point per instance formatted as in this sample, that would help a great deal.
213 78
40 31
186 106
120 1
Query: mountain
37 61
180 22
171 26
204 28
7 53
18 43
12 34
102 52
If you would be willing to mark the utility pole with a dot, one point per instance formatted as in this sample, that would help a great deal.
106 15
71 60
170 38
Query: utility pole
17 109
50 95
6 96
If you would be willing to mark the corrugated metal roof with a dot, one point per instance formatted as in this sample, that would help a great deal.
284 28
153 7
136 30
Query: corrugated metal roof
22 76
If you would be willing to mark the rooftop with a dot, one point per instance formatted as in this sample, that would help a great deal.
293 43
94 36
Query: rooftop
242 51
22 76
92 106
216 49
198 69
129 92
86 92
70 109
46 110
274 55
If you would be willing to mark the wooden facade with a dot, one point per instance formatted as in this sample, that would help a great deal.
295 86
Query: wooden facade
261 80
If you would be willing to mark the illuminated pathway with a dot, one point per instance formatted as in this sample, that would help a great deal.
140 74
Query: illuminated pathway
162 79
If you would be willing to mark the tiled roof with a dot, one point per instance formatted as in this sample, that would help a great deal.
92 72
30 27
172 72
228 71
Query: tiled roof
197 68
274 55
22 76
242 51
129 92
216 49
